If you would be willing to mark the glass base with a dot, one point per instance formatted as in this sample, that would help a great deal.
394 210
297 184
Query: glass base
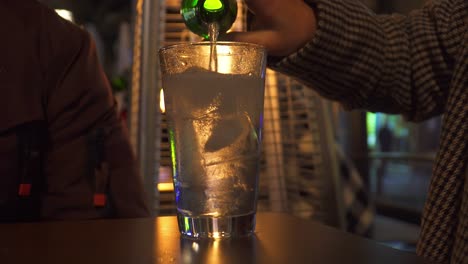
216 227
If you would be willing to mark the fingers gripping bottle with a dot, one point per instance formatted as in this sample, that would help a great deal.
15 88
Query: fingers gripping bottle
200 16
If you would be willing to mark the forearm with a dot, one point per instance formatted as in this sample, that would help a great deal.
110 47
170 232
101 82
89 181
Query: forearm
391 64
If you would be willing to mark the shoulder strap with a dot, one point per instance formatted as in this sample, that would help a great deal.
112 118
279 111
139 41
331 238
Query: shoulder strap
98 168
31 144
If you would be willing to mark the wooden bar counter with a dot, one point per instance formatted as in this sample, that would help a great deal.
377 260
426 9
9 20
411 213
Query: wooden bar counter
280 238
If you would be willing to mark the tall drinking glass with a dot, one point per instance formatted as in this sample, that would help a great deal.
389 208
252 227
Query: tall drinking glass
214 106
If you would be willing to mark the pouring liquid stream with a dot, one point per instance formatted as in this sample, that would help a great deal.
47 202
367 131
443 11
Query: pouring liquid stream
213 33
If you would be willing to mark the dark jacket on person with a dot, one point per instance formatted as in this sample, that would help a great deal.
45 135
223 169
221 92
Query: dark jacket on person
415 65
64 153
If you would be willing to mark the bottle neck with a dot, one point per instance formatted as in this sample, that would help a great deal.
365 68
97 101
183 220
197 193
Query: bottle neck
198 15
212 11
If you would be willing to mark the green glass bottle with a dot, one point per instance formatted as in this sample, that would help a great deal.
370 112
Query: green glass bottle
199 14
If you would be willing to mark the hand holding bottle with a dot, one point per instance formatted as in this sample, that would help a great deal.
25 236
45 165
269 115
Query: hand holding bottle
282 26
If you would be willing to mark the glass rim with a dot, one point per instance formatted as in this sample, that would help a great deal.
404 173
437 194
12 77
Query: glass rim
207 43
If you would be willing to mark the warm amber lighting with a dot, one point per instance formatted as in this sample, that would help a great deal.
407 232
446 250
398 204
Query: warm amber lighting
162 106
165 180
66 14
225 61
195 247
216 235
165 187
215 255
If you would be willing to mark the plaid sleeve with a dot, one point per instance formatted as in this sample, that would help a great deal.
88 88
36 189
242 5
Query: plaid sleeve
388 63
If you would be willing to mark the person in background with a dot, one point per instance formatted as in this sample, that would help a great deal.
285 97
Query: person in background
385 139
415 65
64 154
